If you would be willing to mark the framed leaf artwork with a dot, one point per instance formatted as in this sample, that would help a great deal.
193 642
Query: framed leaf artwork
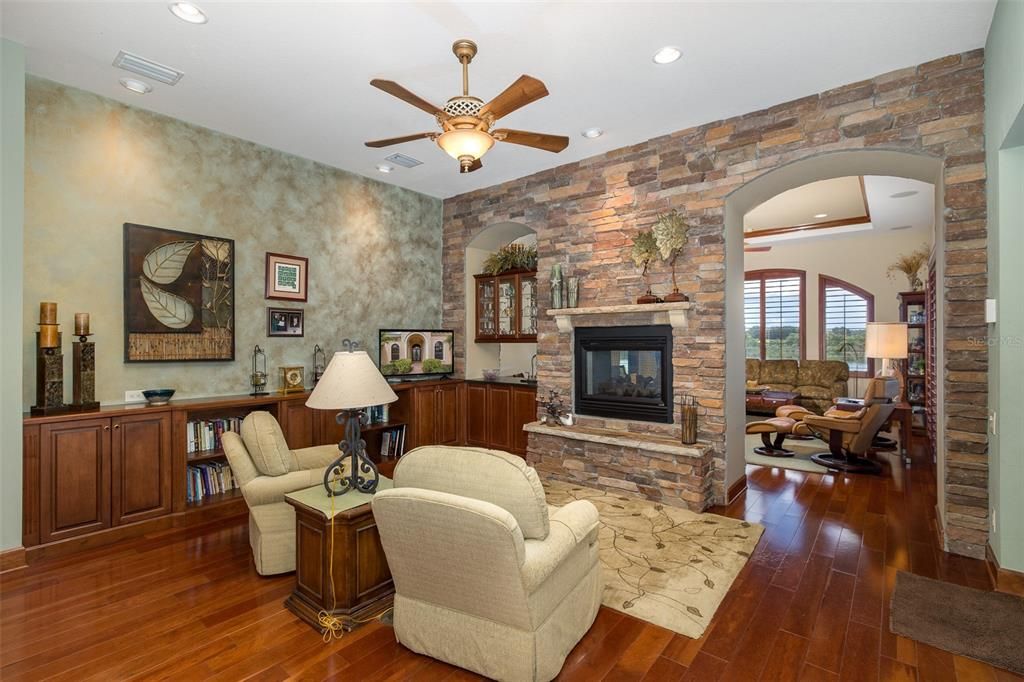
287 277
179 296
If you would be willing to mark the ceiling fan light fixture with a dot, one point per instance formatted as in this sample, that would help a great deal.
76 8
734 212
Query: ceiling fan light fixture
462 143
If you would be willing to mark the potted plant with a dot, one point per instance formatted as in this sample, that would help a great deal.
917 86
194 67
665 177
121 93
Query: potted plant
670 235
511 257
910 265
645 250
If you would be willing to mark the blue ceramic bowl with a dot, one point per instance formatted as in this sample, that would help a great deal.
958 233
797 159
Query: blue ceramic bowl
158 396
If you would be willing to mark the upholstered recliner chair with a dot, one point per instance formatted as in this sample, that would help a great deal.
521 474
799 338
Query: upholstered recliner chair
487 576
849 433
266 470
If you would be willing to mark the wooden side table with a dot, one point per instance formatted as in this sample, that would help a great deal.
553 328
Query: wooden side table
768 401
360 585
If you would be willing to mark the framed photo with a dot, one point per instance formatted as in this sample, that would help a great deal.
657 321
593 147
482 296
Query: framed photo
179 296
285 322
287 277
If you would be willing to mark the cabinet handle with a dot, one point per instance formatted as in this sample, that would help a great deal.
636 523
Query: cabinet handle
117 426
106 428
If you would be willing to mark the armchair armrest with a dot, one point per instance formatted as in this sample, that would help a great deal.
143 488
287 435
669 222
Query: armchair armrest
573 525
840 388
833 422
316 457
270 489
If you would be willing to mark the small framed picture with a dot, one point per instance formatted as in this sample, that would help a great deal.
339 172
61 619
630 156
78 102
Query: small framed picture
287 277
285 322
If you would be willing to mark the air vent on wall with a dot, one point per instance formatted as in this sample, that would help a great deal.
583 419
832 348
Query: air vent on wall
148 68
403 160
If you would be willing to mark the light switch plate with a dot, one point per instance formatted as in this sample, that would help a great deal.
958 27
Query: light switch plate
990 311
134 397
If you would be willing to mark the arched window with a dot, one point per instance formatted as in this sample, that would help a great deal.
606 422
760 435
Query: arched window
846 310
439 350
395 350
417 353
773 314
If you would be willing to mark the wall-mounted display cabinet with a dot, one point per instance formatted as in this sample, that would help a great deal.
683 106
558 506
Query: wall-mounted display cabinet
506 307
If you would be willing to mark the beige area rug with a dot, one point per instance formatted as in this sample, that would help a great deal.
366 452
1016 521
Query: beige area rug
801 461
665 565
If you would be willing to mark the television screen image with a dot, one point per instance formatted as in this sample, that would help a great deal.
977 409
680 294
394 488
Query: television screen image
416 352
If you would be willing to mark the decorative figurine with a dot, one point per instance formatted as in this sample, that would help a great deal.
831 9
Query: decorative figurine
83 363
554 410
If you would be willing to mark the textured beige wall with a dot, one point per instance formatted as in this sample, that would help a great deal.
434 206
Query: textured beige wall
93 164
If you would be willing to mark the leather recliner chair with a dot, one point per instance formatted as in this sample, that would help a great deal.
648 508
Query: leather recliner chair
849 433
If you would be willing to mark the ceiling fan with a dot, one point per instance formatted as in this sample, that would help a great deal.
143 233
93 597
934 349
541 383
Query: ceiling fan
466 121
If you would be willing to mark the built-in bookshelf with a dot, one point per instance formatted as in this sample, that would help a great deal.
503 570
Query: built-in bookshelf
916 368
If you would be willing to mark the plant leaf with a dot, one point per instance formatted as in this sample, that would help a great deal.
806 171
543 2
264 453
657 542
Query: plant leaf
164 264
171 311
217 249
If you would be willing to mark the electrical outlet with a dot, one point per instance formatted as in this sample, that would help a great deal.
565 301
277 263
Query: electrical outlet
994 526
993 426
134 397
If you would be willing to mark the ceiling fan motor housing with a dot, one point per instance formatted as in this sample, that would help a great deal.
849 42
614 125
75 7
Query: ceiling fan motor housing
463 106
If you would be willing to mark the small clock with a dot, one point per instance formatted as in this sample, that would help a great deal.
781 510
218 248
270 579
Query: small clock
292 379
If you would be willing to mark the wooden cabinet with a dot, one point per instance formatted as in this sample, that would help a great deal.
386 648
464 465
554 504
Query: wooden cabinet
506 307
496 413
140 471
298 423
436 414
916 368
74 468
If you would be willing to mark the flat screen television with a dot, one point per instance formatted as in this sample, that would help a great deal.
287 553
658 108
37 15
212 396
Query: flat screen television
410 353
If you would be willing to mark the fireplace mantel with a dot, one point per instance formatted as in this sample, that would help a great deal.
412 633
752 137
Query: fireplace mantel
674 314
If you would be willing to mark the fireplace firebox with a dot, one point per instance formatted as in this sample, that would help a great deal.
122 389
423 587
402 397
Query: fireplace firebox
624 372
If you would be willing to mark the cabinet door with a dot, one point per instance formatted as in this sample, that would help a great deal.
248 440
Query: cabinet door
446 426
140 467
527 306
297 424
74 468
424 415
476 415
508 314
524 411
486 316
499 417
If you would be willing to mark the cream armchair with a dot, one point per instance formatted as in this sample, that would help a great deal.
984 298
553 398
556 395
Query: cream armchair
487 576
849 433
266 470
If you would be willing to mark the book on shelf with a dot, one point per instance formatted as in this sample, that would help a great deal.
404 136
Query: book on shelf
392 442
209 478
378 414
204 434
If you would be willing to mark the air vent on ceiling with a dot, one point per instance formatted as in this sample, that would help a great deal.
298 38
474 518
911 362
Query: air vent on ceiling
901 227
403 160
148 68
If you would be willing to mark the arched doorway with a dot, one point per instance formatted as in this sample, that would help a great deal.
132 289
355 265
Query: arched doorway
764 187
414 349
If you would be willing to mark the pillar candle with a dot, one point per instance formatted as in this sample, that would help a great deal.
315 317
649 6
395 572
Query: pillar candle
81 324
47 312
48 336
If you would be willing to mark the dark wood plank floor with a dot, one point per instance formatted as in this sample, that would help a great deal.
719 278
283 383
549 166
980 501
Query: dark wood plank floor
811 605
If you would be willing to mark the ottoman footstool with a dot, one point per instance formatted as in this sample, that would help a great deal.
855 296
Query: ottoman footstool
781 427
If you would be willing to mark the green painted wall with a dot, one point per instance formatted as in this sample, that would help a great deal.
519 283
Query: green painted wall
93 164
1004 137
12 173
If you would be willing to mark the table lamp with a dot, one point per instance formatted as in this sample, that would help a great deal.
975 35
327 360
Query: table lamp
887 341
351 383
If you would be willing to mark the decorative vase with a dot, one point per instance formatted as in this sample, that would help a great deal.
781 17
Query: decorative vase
572 292
689 419
676 297
915 283
556 285
649 297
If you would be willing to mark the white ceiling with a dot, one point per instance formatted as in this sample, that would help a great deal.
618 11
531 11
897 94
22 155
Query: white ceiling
836 198
294 75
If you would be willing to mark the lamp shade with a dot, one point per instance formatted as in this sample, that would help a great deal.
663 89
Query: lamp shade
350 382
465 142
887 340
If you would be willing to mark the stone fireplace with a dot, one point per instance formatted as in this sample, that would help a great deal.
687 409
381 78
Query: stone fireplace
624 372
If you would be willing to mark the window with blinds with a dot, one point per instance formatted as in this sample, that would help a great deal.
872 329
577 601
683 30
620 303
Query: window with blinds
773 310
845 312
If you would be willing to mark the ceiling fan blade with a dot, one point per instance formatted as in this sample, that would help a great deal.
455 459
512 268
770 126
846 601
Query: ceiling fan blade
398 140
525 90
393 88
475 166
550 143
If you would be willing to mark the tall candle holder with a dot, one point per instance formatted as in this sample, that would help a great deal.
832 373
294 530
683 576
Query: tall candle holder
83 364
258 377
319 363
49 363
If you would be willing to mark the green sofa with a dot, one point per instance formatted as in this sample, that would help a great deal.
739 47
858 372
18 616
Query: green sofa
817 381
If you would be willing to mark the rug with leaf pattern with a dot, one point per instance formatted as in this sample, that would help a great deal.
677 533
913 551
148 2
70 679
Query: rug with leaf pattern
662 564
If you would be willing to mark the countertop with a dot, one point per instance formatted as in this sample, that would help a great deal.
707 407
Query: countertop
513 381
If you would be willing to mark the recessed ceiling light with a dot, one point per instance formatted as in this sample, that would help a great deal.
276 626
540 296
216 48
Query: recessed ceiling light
137 86
186 11
591 133
821 215
903 195
667 55
385 168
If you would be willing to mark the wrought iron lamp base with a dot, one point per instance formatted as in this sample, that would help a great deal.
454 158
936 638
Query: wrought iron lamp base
362 474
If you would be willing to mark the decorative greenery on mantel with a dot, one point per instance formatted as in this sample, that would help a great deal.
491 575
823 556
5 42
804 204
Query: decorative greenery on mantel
511 257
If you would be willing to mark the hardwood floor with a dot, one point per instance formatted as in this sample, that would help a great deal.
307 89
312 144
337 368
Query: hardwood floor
812 604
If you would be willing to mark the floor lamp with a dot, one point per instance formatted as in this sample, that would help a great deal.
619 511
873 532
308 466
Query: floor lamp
350 384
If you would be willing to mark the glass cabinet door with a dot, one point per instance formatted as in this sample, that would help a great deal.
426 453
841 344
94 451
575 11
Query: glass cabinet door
485 307
507 312
527 305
